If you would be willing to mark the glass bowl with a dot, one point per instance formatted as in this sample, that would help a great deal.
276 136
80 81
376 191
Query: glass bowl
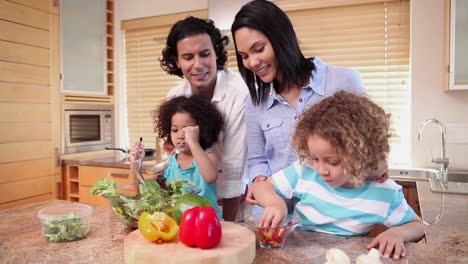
65 222
128 207
272 237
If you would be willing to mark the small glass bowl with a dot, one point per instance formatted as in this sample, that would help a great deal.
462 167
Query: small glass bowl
65 222
128 208
272 237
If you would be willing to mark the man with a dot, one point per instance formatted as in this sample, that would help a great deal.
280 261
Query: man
195 50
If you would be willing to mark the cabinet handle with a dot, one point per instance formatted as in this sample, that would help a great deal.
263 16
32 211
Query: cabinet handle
120 175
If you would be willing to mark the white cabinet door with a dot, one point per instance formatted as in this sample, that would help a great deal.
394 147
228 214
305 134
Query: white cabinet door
458 70
83 36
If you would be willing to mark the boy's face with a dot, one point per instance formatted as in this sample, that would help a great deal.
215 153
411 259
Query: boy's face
327 163
196 58
179 121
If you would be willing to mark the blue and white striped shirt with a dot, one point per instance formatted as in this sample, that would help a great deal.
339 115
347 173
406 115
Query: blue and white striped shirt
342 211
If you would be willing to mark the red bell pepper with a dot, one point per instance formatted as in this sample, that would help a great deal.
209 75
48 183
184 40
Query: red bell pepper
200 227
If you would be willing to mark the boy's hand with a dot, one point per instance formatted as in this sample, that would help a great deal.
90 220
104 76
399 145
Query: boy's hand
273 216
192 134
388 242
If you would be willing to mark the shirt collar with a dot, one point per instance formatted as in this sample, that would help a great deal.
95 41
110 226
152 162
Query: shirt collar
220 87
318 78
316 82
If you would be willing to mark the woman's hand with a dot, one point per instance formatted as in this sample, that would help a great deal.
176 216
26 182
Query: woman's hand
250 197
137 148
390 241
274 216
381 174
192 135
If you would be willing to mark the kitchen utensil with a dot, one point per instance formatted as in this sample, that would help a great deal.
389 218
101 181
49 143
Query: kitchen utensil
148 151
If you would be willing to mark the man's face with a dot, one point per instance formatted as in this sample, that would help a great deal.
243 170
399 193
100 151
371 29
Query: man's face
197 60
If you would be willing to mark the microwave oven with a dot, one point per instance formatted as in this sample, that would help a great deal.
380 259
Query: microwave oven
87 127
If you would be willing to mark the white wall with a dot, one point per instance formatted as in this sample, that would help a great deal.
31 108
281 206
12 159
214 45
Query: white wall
427 72
427 77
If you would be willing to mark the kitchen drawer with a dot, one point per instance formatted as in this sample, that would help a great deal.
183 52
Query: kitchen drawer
88 175
87 197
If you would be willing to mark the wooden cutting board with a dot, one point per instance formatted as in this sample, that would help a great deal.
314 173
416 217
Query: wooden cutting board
237 246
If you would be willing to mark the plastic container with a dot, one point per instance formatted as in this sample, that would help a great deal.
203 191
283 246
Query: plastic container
65 222
272 237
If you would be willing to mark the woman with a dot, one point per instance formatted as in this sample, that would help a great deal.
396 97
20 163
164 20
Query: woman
282 84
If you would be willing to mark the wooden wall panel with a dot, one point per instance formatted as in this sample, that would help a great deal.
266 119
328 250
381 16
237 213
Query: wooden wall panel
24 15
18 171
24 34
16 132
21 92
36 4
23 112
24 189
24 54
23 73
24 151
35 199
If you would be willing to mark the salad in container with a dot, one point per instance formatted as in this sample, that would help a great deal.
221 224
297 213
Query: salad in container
154 196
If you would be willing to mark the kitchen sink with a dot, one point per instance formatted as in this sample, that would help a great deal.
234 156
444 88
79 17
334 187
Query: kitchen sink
457 181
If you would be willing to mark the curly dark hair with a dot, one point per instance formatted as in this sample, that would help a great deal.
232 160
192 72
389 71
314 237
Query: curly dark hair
188 27
358 128
205 114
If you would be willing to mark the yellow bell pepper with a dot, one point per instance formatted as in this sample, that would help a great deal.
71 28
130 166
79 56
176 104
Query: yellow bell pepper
157 227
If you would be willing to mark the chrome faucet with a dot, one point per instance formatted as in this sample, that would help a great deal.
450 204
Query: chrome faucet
443 161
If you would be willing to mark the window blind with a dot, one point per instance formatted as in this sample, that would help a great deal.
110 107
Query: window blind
372 38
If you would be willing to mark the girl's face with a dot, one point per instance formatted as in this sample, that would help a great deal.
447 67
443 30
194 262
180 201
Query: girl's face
257 53
327 163
178 121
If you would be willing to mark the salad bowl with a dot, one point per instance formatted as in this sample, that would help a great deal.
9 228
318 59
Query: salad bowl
151 198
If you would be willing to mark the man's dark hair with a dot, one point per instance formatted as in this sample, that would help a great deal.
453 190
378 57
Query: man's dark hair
269 19
208 118
188 27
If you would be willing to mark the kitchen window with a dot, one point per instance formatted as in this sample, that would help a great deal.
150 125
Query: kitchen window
371 37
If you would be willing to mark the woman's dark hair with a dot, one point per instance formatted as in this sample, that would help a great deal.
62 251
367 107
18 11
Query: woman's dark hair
188 27
205 114
275 25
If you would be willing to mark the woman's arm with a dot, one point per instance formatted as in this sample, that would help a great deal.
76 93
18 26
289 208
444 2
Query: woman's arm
275 210
392 240
208 164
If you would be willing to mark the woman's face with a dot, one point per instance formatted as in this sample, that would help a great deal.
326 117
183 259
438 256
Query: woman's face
327 163
257 53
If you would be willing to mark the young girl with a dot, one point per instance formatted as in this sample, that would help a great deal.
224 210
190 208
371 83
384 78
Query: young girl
192 124
339 141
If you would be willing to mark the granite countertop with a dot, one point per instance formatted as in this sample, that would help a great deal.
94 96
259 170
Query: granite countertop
21 240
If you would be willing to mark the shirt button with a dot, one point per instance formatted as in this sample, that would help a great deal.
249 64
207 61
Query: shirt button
268 125
300 100
295 117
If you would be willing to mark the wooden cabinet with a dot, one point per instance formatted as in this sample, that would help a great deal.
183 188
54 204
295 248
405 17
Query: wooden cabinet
79 179
29 102
457 40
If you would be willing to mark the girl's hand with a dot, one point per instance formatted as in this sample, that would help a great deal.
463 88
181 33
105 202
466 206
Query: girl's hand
135 152
273 216
192 134
388 242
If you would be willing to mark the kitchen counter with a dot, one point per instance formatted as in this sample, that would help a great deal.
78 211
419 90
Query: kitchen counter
21 240
115 160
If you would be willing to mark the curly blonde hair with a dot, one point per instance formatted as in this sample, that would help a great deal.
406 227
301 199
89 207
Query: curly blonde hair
358 128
